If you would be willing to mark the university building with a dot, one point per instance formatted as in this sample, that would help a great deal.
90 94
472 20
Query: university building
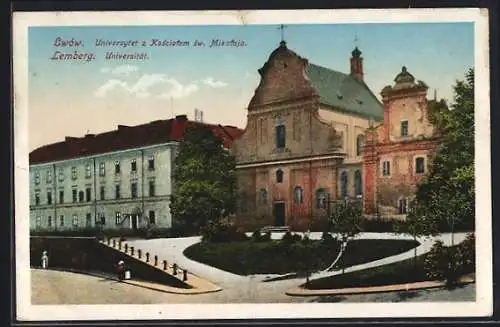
117 179
315 135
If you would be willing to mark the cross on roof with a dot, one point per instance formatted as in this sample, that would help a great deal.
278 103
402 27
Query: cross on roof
282 28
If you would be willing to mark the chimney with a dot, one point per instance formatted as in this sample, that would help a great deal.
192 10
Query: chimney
357 64
181 117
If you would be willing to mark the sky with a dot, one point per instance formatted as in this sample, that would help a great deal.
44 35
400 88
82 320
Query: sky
75 97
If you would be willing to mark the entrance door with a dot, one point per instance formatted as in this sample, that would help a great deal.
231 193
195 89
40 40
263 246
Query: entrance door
279 213
134 222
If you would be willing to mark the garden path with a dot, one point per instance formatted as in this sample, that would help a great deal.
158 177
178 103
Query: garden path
171 249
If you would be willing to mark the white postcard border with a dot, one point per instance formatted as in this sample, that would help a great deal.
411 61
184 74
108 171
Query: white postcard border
484 302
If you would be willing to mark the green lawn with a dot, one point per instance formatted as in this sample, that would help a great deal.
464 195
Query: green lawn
402 272
273 257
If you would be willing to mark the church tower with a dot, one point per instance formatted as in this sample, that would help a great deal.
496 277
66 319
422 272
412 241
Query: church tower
357 64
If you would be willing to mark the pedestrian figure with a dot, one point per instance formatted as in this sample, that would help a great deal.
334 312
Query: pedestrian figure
120 270
45 260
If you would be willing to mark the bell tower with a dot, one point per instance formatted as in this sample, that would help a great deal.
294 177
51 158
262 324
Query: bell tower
357 64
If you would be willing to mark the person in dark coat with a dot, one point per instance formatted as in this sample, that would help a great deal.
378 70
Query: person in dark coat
120 270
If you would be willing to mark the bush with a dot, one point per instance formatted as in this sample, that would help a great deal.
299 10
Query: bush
327 238
379 225
288 238
449 263
435 263
221 231
466 254
257 236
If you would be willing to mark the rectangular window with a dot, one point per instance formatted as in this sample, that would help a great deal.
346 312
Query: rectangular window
61 174
133 166
61 196
420 165
49 221
404 128
74 195
117 191
152 218
49 197
88 194
49 176
37 177
152 190
118 217
75 220
38 221
81 196
73 173
103 192
88 220
386 168
133 190
61 220
102 169
403 206
37 199
88 171
117 167
101 219
280 136
151 163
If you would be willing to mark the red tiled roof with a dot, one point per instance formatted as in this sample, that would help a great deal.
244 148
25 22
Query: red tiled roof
126 137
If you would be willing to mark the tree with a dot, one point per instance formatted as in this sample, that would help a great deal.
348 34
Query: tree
446 196
345 221
204 179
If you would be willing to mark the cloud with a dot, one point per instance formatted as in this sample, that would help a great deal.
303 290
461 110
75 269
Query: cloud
120 70
109 86
213 83
142 88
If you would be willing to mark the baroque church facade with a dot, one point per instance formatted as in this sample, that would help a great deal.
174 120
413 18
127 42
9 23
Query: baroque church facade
315 135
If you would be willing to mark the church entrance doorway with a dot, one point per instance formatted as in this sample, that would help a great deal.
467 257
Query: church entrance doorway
279 213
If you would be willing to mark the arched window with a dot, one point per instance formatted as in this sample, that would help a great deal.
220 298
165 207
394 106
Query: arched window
358 185
321 199
360 140
343 184
298 195
263 196
280 136
279 176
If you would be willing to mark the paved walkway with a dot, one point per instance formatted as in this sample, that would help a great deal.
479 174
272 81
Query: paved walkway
57 287
300 291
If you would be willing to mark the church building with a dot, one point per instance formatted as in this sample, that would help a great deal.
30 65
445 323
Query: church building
304 143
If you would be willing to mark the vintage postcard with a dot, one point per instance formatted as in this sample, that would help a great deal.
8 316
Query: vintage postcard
252 164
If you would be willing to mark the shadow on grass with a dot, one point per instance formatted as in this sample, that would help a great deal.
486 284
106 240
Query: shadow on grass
406 295
328 299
